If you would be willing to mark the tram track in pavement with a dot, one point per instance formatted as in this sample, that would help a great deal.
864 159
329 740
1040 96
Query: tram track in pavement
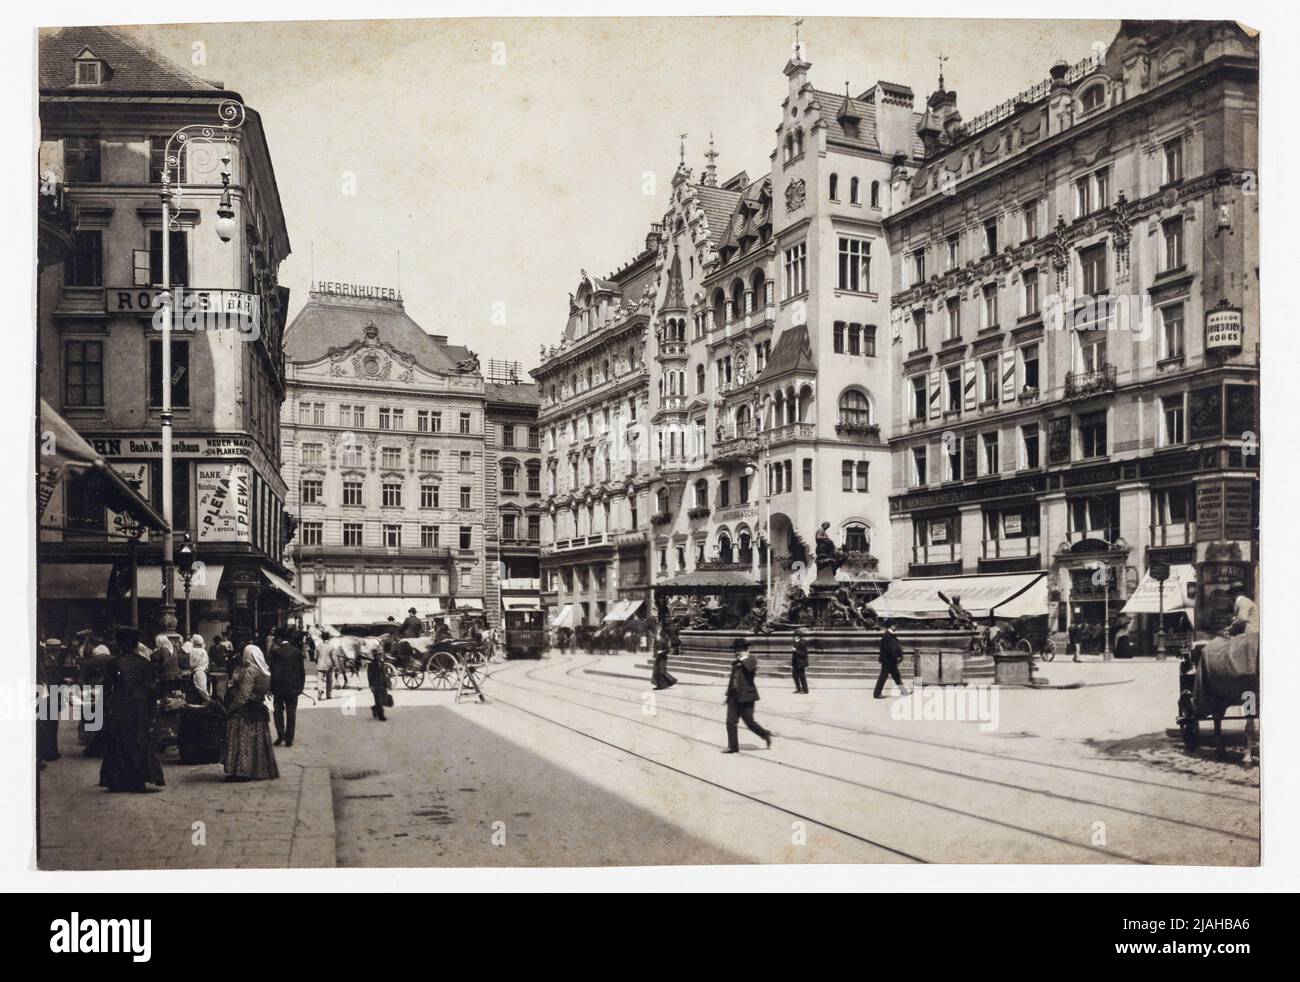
913 800
936 744
947 772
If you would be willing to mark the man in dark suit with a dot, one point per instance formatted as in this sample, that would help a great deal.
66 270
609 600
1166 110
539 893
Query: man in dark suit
891 655
288 679
799 661
412 627
741 696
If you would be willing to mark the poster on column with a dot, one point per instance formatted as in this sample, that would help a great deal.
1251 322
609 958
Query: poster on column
223 503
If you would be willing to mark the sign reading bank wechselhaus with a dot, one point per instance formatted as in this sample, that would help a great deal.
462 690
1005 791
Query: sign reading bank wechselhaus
182 446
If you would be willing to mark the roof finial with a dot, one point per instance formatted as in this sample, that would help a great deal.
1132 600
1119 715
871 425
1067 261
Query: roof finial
942 58
798 45
682 160
711 169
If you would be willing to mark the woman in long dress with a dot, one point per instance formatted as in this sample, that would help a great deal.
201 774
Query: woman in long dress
129 759
201 732
661 678
248 755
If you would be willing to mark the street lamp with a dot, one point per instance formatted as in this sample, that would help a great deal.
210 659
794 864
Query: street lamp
204 136
185 563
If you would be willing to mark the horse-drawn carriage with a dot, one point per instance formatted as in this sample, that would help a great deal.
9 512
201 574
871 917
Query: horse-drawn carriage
1214 676
441 660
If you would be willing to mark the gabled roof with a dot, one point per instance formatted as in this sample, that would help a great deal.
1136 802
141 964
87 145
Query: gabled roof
133 66
517 393
718 206
326 324
792 353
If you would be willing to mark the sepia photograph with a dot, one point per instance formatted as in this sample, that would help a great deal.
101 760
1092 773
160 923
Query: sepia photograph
628 441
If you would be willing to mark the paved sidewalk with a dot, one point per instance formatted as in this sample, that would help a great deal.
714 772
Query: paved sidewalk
196 821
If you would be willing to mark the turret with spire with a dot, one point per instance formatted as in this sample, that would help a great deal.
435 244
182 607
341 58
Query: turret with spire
711 168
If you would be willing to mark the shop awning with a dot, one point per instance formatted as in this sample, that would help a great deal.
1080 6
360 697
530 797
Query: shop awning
465 604
565 617
283 586
73 581
709 581
622 610
203 586
72 453
1179 594
373 610
1007 595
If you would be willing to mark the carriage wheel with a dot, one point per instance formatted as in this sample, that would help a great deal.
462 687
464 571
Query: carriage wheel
412 676
441 668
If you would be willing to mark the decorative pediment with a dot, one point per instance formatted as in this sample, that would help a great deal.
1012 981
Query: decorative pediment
372 359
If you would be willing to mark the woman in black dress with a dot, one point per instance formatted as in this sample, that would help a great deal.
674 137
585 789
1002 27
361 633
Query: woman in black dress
129 759
201 731
663 644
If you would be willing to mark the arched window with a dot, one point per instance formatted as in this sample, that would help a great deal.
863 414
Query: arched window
853 192
661 501
875 194
1093 97
724 547
835 187
701 493
855 409
857 538
746 548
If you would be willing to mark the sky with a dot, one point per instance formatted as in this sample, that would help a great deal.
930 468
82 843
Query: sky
502 157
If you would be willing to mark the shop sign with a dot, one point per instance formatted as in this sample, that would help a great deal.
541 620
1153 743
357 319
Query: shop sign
1223 329
223 503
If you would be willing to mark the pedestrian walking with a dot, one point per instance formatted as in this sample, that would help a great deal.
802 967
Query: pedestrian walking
249 753
325 665
201 731
661 678
129 760
288 679
799 661
891 656
95 671
742 693
377 679
47 728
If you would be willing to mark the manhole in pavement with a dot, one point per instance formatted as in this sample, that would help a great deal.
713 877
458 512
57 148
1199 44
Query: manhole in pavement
357 775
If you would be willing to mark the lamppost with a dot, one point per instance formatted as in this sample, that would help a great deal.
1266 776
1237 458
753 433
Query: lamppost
185 563
206 137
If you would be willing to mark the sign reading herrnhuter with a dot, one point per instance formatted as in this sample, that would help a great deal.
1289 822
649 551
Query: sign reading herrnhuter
358 290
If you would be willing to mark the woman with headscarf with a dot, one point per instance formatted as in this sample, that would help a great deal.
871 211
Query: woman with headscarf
201 732
249 755
663 645
129 758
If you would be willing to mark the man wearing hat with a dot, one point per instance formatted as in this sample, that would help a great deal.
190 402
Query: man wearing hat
288 679
891 655
741 696
412 627
799 661
1245 614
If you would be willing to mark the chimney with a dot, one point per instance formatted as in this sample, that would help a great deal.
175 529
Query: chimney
653 237
439 338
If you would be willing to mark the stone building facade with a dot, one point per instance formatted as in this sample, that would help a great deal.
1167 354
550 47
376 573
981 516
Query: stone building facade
1076 317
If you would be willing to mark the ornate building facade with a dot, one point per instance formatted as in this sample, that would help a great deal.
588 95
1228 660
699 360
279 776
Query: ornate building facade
385 461
1076 315
513 446
108 107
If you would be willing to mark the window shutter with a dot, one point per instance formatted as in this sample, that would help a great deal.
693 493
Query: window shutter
969 387
140 264
936 385
1009 375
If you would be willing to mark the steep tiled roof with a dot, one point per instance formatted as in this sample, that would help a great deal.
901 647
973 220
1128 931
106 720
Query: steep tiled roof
718 206
831 105
791 353
520 393
132 66
325 324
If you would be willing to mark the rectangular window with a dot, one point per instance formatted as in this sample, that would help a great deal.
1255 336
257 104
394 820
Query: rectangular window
1102 180
352 455
855 265
1173 414
954 459
390 458
352 532
918 267
313 492
84 266
422 421
507 435
392 536
435 422
508 527
428 496
953 244
991 461
428 459
313 533
990 380
1173 160
180 373
466 537
1082 197
1173 238
392 495
918 329
1029 278
83 373
990 306
919 399
180 258
796 270
352 493
1092 434
839 337
919 475
428 537
465 493
855 339
1029 215
158 160
952 379
399 419
991 237
180 491
313 454
464 422
1171 331
869 340
385 418
953 307
318 414
1029 446
1092 263
807 474
535 526
81 159
466 462
1029 366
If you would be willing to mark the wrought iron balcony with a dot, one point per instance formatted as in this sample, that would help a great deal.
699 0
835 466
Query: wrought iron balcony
1079 385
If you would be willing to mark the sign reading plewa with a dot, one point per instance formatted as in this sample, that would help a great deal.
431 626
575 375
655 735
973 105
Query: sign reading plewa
1223 329
137 475
223 496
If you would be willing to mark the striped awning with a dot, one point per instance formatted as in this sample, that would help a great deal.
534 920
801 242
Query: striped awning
73 581
284 587
565 617
203 586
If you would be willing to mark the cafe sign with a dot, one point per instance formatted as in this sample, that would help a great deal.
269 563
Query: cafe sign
1223 329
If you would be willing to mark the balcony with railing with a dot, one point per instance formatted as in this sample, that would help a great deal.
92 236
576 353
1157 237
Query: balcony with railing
1016 547
946 552
857 423
736 442
1173 534
671 351
791 433
1082 384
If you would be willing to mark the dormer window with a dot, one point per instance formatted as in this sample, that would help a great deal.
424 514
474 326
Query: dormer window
88 69
1093 98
